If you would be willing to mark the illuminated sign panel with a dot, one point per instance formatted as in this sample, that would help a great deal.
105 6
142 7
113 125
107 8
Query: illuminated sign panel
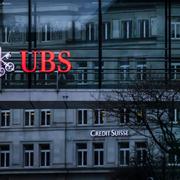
50 62
109 133
47 62
5 66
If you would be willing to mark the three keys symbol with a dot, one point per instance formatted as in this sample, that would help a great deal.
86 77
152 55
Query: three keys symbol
5 66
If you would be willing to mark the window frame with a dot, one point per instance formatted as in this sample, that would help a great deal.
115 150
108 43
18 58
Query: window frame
83 153
6 123
99 151
45 151
126 152
174 23
29 118
83 114
175 73
6 154
100 117
45 32
124 72
82 75
143 151
127 29
90 31
141 70
30 154
106 30
46 120
145 28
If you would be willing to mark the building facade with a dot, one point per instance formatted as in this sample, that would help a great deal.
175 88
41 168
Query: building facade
51 126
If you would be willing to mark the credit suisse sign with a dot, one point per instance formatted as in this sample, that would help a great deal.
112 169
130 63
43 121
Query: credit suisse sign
109 133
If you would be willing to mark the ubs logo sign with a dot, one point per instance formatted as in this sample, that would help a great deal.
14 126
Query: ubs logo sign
46 62
5 66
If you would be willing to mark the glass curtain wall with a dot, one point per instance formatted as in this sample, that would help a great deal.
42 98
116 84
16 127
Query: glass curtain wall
113 43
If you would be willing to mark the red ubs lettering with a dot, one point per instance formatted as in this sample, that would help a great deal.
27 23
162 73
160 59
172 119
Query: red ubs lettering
47 62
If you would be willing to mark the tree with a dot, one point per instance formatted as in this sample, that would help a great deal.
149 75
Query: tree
151 110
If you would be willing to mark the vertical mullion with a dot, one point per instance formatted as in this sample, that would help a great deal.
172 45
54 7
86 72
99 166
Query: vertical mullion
29 40
5 158
169 35
35 25
100 42
166 41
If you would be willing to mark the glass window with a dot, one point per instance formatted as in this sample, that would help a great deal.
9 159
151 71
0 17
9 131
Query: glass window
175 71
144 28
141 72
115 29
99 117
127 29
140 115
90 31
64 22
96 71
82 154
82 76
4 156
124 116
124 73
44 154
29 118
124 153
46 32
78 30
98 154
5 118
141 153
173 159
174 115
175 30
45 117
82 116
13 26
28 155
106 30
